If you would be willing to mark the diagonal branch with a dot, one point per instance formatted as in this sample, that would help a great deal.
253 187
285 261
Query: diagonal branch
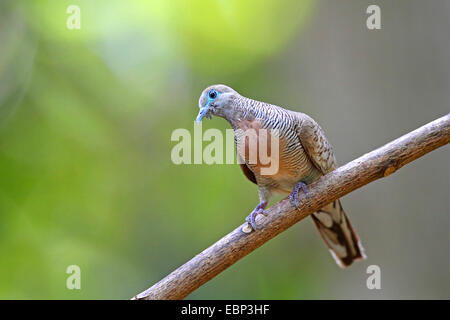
355 174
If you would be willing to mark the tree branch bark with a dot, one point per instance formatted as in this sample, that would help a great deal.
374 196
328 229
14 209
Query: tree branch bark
355 174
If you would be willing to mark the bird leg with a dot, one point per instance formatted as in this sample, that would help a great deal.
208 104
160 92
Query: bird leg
294 194
259 209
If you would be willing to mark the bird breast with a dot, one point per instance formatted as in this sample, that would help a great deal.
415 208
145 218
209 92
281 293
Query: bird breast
256 145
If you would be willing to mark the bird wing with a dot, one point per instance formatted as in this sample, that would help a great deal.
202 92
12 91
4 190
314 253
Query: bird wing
246 170
331 221
315 143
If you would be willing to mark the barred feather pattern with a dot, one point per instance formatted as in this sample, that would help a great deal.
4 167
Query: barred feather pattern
305 154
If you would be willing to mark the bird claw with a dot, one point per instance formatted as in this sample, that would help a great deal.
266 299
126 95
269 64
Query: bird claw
251 218
294 194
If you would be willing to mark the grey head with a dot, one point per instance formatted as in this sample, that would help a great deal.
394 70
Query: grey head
216 100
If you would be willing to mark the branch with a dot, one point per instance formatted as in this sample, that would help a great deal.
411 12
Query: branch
355 174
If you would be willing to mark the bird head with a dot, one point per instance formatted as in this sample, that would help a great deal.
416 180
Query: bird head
215 100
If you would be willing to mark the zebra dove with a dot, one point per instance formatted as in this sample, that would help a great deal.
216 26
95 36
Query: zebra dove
304 155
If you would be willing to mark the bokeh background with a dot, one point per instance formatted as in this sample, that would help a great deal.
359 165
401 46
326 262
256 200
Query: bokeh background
86 118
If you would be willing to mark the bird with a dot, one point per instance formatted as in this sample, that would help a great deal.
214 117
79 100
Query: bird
304 155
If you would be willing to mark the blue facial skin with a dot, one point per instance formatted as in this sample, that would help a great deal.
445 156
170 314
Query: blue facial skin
204 110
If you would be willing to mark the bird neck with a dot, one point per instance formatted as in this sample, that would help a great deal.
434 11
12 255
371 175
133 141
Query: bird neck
243 109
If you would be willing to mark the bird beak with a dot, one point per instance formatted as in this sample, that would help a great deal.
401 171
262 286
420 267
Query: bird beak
202 113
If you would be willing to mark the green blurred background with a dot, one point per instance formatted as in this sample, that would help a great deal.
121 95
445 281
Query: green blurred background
86 118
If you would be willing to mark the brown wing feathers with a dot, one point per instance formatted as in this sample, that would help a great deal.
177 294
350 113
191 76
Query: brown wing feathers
248 173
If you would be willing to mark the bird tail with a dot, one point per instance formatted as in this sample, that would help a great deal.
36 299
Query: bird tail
338 234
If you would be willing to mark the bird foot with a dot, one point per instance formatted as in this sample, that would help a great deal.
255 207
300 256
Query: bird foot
259 209
294 194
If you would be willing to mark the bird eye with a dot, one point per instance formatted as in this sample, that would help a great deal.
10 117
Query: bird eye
212 94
